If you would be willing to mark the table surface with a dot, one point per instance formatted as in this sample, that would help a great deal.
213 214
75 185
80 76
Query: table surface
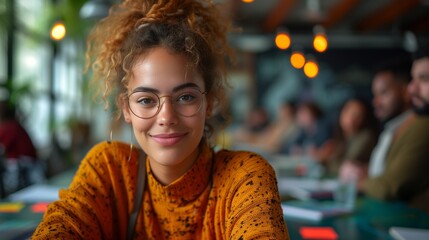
20 225
370 220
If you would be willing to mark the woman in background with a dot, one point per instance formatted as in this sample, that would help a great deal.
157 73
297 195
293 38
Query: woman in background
164 63
355 137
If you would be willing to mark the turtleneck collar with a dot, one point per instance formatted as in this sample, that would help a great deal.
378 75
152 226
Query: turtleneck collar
189 186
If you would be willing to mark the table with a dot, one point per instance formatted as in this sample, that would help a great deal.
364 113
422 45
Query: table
20 225
370 220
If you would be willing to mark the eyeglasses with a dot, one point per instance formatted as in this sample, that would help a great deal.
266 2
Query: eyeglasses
186 102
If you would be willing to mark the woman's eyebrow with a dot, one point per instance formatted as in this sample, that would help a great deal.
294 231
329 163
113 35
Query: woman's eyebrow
145 89
185 85
175 89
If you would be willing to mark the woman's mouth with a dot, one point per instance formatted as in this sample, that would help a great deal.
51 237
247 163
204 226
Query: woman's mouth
168 139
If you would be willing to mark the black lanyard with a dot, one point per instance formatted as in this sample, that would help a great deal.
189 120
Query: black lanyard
141 179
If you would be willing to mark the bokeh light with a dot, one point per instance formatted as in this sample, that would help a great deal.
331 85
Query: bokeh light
311 69
320 42
58 31
297 60
283 41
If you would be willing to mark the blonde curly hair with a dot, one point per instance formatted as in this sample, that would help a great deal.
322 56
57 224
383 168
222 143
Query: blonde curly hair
192 28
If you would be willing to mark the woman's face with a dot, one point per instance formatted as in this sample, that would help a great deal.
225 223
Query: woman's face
169 139
352 117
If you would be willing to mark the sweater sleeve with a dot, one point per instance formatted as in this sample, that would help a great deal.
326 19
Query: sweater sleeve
253 207
94 206
405 175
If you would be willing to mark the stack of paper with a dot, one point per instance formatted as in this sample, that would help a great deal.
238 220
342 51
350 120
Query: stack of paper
402 233
36 193
314 210
305 188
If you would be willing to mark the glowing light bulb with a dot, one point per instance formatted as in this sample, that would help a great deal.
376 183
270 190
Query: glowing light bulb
297 60
320 42
311 69
283 41
58 31
247 1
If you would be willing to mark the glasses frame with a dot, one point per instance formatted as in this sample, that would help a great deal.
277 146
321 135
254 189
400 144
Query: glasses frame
161 104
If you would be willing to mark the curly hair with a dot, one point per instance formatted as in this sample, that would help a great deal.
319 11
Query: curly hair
192 28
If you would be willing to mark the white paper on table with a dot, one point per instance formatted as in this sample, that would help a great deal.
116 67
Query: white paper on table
402 233
36 193
306 188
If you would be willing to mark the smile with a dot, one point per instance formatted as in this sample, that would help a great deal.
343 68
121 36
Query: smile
168 139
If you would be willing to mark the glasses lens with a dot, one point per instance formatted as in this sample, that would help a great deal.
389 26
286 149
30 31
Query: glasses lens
144 104
186 102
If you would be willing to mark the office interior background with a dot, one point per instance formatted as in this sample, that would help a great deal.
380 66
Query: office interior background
44 77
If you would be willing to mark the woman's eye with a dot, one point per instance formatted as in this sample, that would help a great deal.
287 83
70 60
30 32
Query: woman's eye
186 98
145 101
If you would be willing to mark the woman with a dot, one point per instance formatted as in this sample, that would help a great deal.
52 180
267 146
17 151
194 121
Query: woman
355 138
164 59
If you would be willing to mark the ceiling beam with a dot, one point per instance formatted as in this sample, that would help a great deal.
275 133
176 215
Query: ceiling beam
386 14
277 14
338 11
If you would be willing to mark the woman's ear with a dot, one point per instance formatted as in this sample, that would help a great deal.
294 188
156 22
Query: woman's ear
126 111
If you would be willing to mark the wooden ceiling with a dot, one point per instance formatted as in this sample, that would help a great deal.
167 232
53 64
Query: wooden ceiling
349 23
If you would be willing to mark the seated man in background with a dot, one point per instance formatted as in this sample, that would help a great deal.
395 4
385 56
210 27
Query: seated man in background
405 174
392 107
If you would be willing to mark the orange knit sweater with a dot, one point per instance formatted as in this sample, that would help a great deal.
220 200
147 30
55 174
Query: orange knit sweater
234 197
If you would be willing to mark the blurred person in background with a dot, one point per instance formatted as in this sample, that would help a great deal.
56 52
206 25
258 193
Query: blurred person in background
18 152
354 138
277 133
314 134
405 176
391 104
254 123
281 130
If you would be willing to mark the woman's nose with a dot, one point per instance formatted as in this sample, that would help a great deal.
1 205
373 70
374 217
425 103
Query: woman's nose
167 115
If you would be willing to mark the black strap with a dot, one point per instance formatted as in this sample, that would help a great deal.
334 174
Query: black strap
141 179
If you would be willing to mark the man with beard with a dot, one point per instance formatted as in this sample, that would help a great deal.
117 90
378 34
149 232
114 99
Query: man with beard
405 174
391 107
